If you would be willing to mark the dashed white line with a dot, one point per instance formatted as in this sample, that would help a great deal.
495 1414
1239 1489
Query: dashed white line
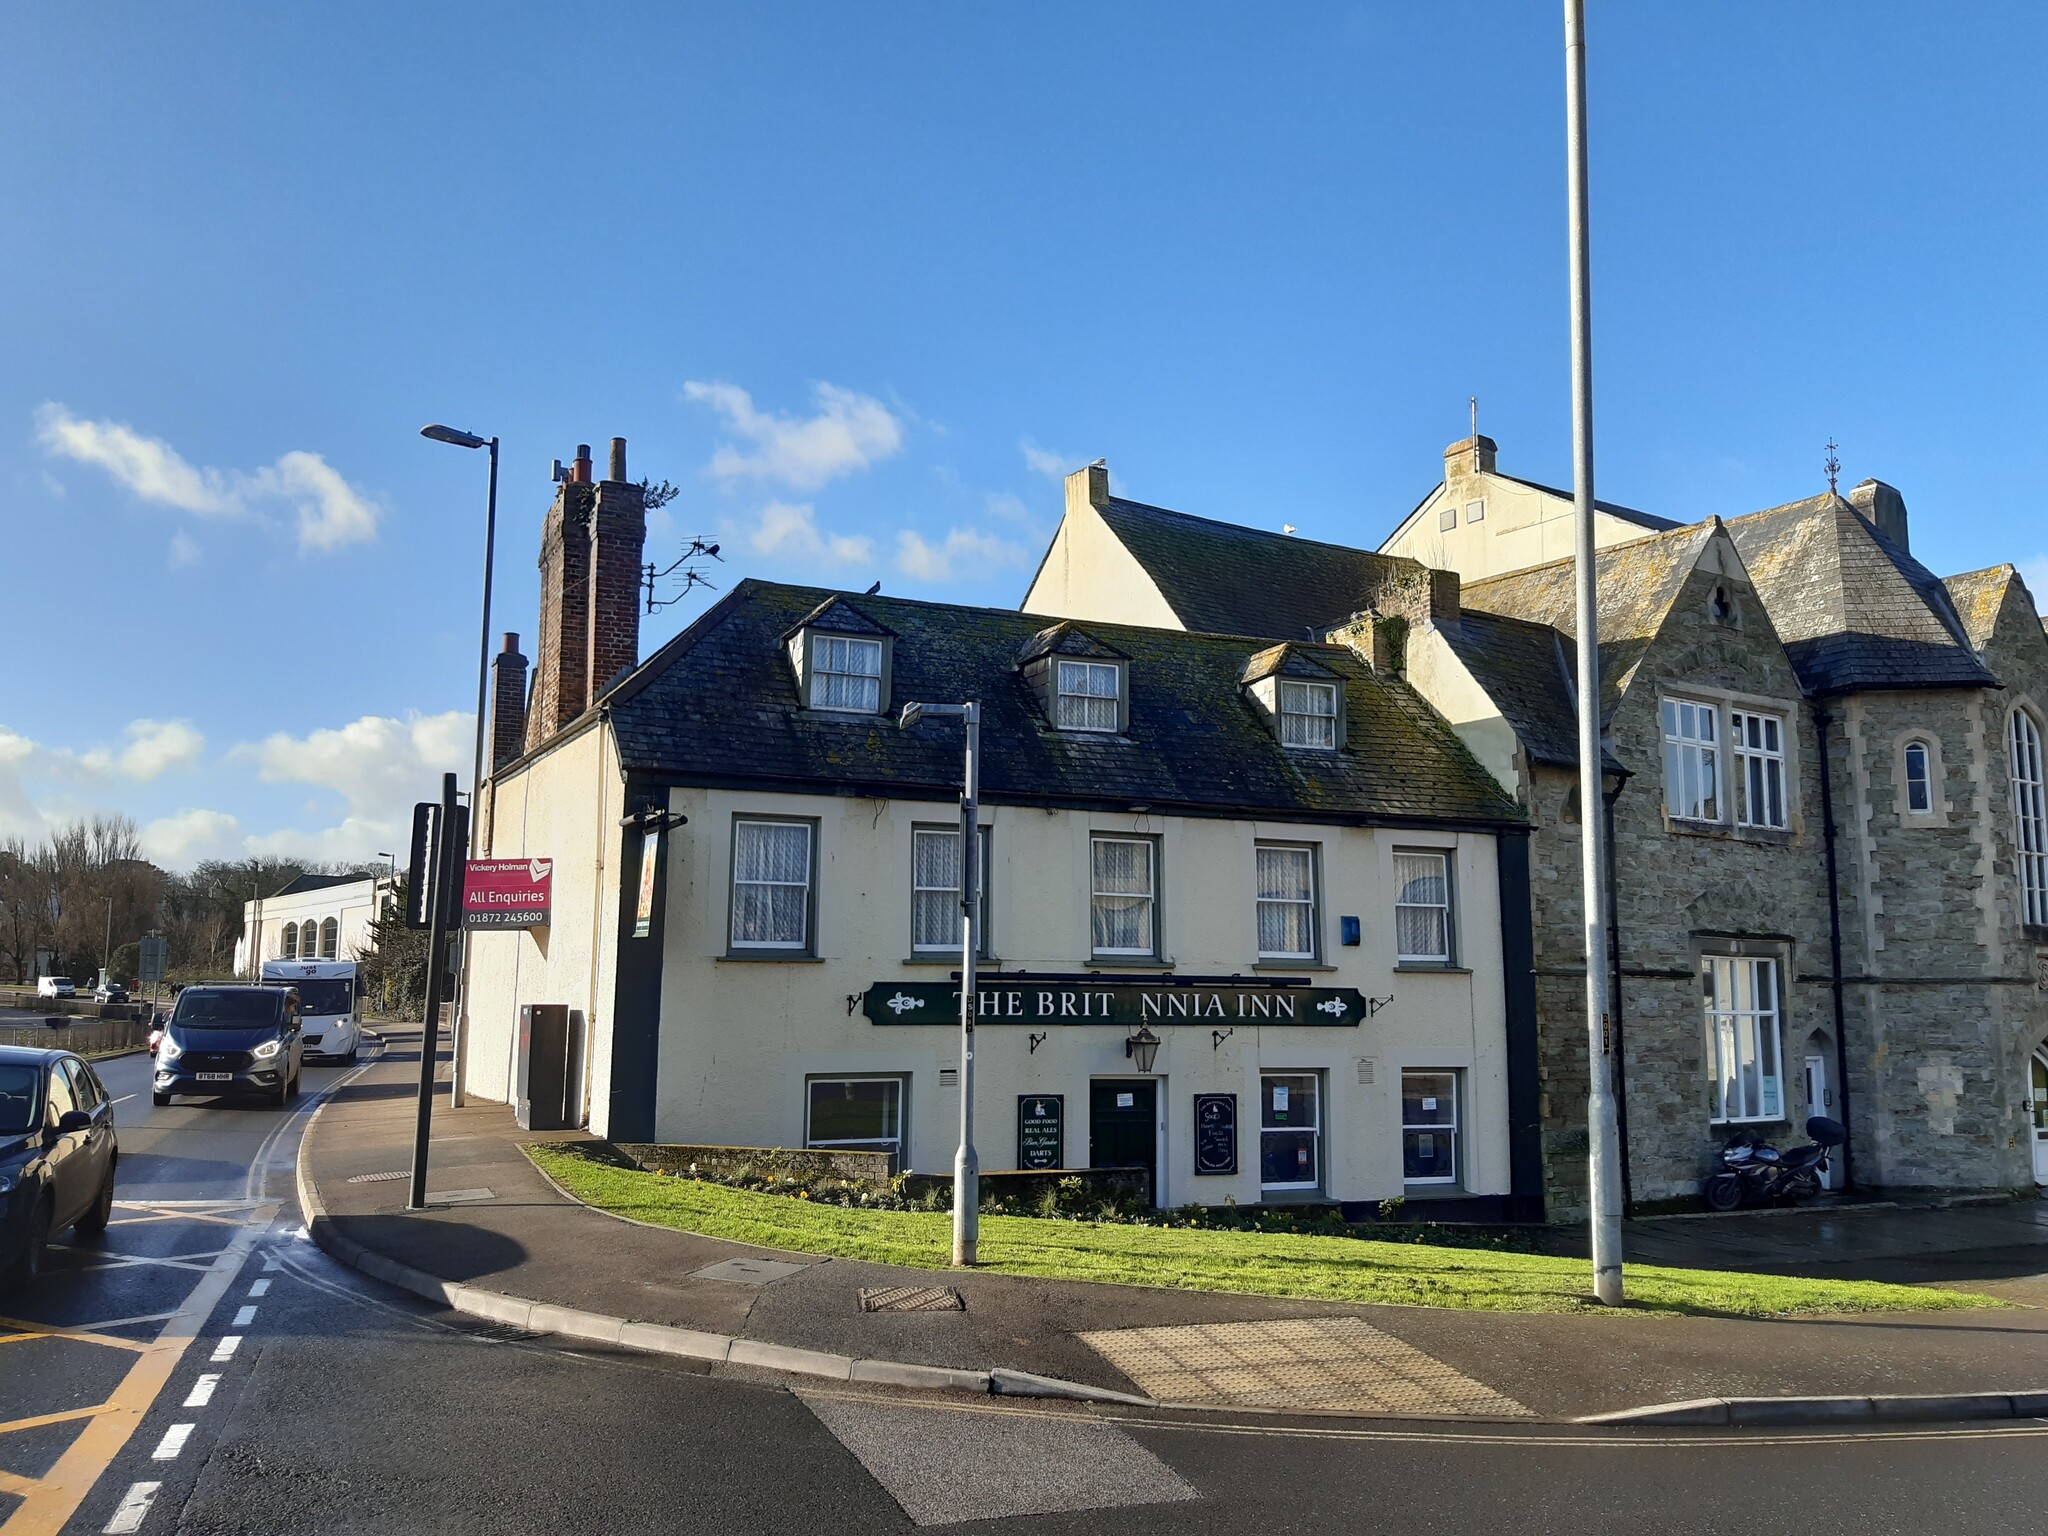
259 1287
202 1390
272 1261
225 1349
245 1317
124 1098
173 1442
134 1507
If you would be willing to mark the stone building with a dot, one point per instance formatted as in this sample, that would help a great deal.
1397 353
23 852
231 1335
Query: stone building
1822 778
1272 857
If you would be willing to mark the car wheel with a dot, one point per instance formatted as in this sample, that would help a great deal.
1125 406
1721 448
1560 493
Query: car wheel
295 1082
28 1264
1722 1192
95 1220
159 1099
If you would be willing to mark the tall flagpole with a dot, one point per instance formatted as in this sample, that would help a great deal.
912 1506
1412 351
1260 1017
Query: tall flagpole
1604 1143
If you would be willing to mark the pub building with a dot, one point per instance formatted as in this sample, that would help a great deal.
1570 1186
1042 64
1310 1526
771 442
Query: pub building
1252 917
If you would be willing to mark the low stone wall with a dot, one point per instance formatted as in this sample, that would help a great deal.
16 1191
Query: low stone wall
88 1037
778 1162
1116 1185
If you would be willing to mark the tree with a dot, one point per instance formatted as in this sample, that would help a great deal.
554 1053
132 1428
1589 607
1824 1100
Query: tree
392 967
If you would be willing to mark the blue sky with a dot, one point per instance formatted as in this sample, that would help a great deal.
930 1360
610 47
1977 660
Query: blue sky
862 280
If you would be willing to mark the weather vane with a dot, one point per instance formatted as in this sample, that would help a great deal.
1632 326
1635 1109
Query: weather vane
685 570
1833 465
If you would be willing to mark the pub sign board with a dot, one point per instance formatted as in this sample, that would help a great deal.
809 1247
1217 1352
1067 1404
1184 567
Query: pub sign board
1041 1130
1126 1005
1215 1133
507 893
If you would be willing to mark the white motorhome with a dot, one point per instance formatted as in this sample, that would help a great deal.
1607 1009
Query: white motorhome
327 1003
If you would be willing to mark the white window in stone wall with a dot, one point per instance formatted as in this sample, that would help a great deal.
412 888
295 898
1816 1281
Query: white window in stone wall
846 674
1422 908
1308 714
2029 816
1287 901
1123 896
1087 696
1745 1077
935 892
1919 779
771 884
1692 760
330 937
288 944
1759 768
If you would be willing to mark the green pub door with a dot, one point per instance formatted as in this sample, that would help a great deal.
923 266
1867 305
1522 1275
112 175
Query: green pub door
1123 1121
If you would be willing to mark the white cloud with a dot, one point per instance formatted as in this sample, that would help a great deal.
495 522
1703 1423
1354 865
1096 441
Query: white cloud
790 529
378 765
182 840
1010 508
849 432
154 747
1044 461
329 511
964 553
184 550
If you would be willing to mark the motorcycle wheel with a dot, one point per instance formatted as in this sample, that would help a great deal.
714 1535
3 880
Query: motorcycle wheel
1722 1192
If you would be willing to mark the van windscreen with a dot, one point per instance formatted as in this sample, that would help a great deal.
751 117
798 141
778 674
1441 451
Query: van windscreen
201 1009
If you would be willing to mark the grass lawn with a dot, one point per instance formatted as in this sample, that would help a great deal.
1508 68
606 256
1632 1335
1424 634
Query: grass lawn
1260 1264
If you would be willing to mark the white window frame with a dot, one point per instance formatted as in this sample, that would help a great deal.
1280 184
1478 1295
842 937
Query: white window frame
1316 1130
802 945
1086 696
1925 783
824 671
1311 907
900 1141
1447 907
1447 517
1744 1038
330 938
288 942
1298 725
1448 1128
1760 768
1688 754
2029 816
1150 895
951 893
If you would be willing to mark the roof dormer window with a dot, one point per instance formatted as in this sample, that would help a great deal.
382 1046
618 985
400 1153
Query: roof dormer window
1089 694
846 674
1308 714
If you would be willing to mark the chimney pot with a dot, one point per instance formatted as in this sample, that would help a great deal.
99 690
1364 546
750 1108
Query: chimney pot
511 642
618 464
583 468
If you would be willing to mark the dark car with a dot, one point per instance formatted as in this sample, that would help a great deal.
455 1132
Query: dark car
225 1040
57 1155
110 992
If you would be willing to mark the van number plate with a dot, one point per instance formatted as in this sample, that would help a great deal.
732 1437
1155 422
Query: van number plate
215 1077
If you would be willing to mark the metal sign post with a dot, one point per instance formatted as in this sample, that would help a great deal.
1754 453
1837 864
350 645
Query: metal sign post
433 873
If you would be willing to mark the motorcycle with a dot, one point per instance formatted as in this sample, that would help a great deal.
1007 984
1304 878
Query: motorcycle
1753 1172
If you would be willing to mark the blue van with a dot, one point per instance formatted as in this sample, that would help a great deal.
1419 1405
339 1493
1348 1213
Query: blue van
231 1041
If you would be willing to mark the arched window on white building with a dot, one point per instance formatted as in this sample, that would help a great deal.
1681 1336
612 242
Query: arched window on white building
330 938
2029 817
288 944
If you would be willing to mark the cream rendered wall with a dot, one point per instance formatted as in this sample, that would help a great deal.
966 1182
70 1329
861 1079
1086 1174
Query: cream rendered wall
739 1037
1088 573
1523 526
354 907
1435 671
564 805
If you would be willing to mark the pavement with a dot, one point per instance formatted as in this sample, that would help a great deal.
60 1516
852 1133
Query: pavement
501 1241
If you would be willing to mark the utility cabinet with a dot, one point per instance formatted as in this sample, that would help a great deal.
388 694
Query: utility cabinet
546 1091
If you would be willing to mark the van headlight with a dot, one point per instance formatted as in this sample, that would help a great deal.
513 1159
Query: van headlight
167 1049
267 1049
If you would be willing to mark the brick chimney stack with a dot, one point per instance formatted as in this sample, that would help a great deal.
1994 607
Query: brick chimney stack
561 671
508 704
618 537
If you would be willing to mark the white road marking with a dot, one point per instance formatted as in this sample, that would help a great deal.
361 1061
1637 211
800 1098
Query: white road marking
128 1518
173 1442
202 1390
124 1098
259 1287
245 1317
225 1349
272 1261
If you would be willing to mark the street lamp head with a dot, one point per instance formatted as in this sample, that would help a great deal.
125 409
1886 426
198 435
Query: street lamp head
441 434
912 713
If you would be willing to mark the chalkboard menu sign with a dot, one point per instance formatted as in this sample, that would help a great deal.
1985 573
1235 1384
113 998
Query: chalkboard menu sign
1041 1130
1215 1133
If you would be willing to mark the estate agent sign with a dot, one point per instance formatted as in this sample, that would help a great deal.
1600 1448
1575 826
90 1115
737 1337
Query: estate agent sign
507 893
1127 1003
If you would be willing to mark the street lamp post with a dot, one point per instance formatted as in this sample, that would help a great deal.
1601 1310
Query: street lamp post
966 1166
459 1013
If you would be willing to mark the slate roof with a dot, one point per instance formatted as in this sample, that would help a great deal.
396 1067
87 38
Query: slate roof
718 704
1226 579
306 883
1978 595
1637 583
1648 520
1529 672
1854 609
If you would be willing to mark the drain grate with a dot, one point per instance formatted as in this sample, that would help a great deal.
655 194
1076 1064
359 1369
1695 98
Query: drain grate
912 1298
379 1178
